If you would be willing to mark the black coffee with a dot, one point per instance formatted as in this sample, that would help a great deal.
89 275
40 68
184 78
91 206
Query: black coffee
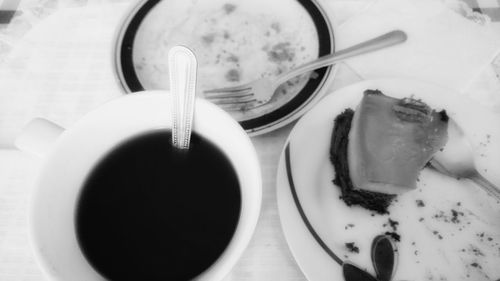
151 212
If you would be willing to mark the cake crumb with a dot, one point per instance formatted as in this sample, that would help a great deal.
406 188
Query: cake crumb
475 264
232 58
455 216
233 75
276 27
229 8
349 225
475 251
420 203
394 236
436 233
351 246
281 52
393 224
208 38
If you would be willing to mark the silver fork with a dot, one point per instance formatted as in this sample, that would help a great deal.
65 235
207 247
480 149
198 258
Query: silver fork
456 159
261 91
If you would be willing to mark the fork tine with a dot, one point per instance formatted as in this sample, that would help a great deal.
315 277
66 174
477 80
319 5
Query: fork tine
229 89
228 95
231 107
242 100
236 106
250 105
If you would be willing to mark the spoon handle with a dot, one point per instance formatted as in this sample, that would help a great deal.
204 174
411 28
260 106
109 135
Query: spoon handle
486 185
182 68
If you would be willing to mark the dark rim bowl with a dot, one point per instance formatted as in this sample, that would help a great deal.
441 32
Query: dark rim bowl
279 117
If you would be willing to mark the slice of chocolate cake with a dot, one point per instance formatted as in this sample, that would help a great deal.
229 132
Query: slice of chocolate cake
379 150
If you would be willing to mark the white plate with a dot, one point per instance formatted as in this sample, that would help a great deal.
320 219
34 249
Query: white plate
235 41
455 236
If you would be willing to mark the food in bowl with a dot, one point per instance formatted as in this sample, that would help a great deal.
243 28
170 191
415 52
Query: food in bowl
235 42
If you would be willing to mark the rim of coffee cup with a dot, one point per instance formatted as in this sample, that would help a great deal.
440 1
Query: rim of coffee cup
209 121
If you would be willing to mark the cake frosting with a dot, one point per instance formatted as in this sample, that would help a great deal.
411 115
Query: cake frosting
379 149
391 140
378 202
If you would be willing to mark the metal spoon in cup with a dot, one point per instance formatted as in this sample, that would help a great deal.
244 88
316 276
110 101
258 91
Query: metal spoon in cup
183 67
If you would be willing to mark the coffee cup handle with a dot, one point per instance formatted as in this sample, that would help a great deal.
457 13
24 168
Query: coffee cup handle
38 136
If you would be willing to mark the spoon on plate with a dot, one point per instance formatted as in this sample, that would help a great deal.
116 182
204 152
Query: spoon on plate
456 159
384 256
183 67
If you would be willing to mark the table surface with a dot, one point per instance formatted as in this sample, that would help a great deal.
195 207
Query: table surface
267 256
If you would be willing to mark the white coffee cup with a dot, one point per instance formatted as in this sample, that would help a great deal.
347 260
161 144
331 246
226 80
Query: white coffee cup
70 155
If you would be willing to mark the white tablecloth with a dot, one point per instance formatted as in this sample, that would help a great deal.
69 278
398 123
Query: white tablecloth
54 93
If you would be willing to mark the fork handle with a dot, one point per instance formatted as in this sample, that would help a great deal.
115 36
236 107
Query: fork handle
486 185
388 39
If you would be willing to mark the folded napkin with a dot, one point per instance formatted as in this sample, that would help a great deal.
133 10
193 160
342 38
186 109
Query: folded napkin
61 69
443 46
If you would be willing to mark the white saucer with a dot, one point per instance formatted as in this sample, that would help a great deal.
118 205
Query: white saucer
434 243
